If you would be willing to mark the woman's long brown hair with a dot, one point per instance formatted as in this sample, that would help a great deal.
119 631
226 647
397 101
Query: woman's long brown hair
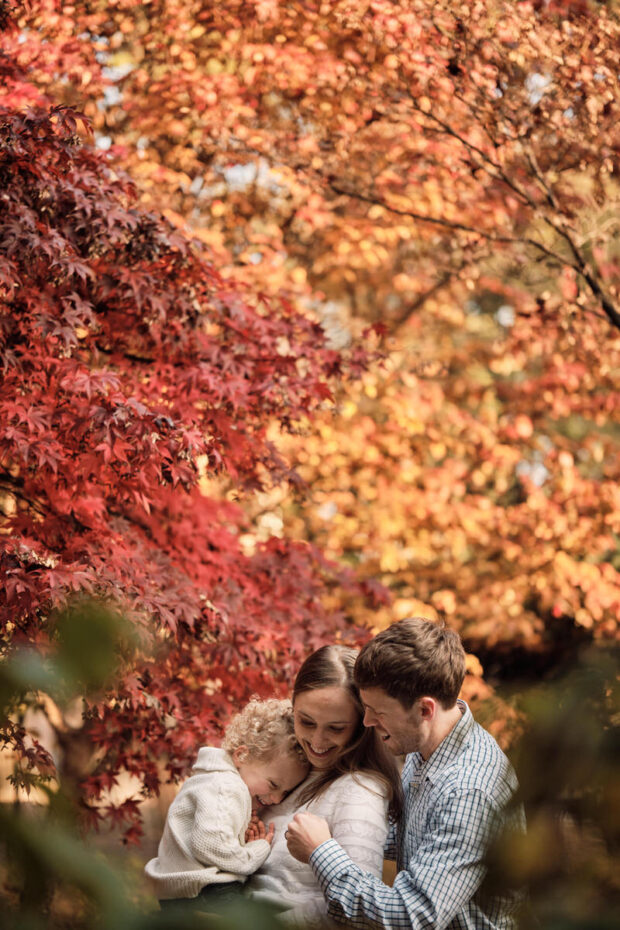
332 666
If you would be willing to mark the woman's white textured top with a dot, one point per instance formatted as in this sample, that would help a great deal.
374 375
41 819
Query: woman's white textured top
355 807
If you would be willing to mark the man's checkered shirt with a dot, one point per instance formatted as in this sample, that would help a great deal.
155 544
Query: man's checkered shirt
453 803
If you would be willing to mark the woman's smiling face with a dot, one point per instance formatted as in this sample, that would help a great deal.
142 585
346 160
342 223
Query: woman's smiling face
325 721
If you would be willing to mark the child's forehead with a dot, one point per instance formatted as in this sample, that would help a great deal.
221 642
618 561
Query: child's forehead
288 763
292 777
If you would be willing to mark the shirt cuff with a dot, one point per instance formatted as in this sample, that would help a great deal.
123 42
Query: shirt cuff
328 861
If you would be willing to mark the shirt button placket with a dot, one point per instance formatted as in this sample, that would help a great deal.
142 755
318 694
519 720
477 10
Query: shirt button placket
406 833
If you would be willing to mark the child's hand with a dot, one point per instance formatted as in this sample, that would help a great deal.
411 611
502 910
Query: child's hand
251 832
258 831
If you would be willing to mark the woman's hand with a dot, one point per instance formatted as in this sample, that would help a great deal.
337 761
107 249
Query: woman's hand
258 831
304 833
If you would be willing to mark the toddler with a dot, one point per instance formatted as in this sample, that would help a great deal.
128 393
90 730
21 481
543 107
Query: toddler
203 851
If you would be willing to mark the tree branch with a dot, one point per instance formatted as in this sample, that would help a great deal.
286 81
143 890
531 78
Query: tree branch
449 224
579 263
583 267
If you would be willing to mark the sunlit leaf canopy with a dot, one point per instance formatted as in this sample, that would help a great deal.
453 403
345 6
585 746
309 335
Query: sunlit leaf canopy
450 170
375 150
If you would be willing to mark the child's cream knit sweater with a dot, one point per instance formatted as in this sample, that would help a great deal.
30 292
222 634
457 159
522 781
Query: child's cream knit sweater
203 842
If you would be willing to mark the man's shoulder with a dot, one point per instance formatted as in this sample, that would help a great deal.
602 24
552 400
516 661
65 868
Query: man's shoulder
480 765
484 752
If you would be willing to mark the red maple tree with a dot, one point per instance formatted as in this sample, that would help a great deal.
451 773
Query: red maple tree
132 369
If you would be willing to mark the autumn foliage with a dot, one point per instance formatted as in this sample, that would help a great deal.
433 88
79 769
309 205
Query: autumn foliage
131 370
388 149
450 170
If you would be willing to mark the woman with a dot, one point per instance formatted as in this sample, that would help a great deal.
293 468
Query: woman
354 784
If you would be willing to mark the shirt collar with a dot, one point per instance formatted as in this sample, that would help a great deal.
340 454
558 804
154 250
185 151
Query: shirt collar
450 747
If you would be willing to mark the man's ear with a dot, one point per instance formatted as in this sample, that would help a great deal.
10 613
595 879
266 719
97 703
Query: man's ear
240 754
428 708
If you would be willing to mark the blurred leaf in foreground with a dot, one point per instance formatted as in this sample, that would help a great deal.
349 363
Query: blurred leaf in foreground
568 761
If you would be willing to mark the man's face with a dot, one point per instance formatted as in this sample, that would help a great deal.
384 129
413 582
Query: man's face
401 730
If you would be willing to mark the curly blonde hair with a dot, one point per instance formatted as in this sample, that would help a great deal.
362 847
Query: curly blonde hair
265 728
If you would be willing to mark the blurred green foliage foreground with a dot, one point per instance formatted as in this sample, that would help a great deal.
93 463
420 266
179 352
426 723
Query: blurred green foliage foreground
568 760
568 763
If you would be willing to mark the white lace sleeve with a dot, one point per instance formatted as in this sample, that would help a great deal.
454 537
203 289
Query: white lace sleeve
360 823
355 808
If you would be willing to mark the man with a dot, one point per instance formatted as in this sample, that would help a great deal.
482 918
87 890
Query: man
456 781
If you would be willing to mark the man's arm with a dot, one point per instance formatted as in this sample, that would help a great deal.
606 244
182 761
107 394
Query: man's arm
443 874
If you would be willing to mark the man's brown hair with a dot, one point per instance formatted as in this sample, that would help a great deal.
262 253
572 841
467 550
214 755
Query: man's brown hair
413 658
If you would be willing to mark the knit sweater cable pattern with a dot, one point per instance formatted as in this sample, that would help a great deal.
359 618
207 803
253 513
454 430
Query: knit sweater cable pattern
203 842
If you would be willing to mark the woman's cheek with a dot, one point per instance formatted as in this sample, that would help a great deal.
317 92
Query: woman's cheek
301 732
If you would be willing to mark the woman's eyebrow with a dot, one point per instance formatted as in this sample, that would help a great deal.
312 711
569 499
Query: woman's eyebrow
329 723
